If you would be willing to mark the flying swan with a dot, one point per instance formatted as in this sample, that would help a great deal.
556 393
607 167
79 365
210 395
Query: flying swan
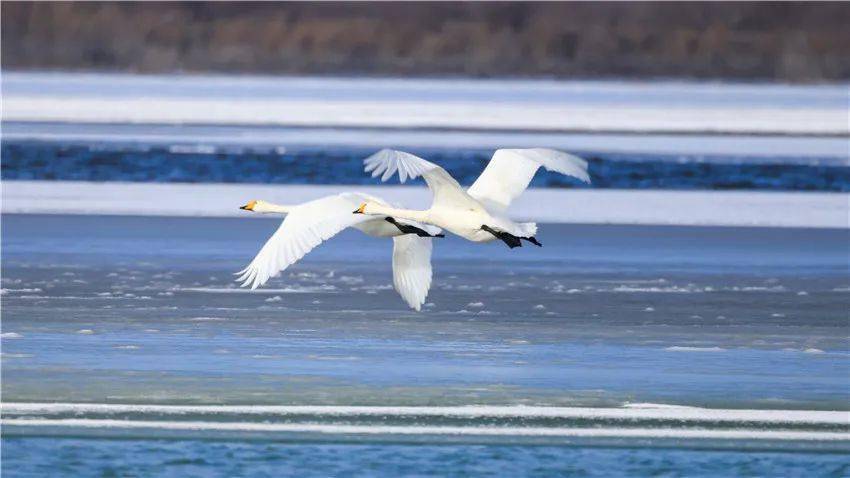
307 225
478 213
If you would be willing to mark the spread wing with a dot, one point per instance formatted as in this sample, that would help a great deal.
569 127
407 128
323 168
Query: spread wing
447 192
304 228
412 268
511 170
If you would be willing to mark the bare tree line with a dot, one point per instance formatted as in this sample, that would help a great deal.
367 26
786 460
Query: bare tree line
778 41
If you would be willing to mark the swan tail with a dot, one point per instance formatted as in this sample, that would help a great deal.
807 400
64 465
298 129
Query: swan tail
527 229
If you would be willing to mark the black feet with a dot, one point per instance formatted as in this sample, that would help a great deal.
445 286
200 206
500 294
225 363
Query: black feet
408 229
509 239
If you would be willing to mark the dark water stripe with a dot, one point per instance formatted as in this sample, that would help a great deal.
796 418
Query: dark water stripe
33 160
452 421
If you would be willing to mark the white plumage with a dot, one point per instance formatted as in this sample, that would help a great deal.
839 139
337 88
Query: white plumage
509 172
477 214
308 225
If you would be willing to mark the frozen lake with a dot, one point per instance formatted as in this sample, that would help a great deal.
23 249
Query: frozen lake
144 310
479 105
614 350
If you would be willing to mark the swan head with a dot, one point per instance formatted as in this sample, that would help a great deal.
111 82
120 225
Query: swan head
365 208
266 207
261 206
250 206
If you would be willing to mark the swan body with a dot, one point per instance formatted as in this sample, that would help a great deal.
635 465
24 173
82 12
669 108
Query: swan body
478 213
309 224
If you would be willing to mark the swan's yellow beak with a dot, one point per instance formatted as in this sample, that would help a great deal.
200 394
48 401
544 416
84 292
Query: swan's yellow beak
360 209
249 206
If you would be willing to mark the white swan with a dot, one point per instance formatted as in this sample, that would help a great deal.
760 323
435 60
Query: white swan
477 214
307 225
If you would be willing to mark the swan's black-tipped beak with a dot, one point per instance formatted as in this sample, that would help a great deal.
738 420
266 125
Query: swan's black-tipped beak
249 206
360 209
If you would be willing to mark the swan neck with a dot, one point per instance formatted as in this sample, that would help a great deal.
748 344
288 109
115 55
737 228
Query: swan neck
276 208
419 216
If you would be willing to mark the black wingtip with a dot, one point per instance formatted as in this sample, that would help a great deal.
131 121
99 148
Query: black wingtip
534 241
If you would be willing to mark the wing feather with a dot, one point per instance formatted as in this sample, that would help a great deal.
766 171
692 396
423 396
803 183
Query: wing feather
511 170
307 226
412 268
447 191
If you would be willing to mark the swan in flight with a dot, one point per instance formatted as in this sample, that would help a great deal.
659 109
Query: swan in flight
307 225
478 213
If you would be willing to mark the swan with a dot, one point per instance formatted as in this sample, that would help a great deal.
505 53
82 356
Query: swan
307 225
478 213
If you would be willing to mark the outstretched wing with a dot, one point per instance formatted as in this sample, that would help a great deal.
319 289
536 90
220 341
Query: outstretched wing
447 192
412 268
303 229
510 170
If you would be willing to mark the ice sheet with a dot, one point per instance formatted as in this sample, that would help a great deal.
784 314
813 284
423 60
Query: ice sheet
398 103
704 208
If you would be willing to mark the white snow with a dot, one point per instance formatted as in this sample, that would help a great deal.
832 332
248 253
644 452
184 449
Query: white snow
651 207
672 107
424 114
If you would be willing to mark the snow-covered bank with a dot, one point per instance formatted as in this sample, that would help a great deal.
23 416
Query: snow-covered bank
546 106
697 208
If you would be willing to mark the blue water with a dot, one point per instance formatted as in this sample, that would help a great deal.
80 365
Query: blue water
602 315
343 165
140 310
31 457
134 311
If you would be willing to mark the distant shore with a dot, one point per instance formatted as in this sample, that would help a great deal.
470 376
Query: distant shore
799 42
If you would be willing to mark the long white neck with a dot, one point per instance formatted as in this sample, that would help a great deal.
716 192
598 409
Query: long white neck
377 209
270 208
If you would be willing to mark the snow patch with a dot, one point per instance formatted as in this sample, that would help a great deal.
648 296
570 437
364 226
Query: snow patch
648 207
